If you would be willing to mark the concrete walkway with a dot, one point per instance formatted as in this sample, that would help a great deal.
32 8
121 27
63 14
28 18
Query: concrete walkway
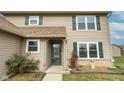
52 77
54 69
53 73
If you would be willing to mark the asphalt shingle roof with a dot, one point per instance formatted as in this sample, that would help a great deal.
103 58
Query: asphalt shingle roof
49 31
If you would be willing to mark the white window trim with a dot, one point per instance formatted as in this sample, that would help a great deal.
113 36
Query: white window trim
30 19
27 44
86 24
87 44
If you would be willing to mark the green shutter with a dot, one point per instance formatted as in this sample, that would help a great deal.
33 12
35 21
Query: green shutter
26 20
101 55
74 22
40 20
75 47
98 23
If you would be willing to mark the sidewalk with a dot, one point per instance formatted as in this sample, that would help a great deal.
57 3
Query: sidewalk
52 77
53 73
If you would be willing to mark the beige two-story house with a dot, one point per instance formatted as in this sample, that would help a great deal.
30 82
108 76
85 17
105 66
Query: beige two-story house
51 36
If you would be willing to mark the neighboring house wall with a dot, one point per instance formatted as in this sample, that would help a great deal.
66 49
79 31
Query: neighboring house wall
74 36
122 51
116 51
9 45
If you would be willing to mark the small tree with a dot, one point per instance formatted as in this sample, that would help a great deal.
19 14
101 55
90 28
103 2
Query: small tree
21 64
73 60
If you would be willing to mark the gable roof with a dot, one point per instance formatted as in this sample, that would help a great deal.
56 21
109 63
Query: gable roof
9 27
122 46
31 31
116 45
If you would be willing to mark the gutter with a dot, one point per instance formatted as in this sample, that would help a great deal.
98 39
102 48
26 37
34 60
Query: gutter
109 14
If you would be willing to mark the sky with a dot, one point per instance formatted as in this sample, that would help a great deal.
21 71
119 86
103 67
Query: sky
116 23
116 20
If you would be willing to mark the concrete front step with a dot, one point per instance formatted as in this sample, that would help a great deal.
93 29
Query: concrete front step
54 73
54 69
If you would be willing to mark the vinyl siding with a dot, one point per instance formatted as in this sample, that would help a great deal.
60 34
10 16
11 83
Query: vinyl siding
44 56
9 45
41 56
17 20
75 36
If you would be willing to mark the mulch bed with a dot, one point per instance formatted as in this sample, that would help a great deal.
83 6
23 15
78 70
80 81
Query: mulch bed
37 76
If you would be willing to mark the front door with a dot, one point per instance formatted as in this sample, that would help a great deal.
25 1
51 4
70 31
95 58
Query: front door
56 53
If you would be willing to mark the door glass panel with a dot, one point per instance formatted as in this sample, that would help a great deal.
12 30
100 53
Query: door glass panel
56 54
56 50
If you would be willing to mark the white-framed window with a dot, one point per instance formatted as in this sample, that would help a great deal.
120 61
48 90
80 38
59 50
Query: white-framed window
81 23
90 22
85 23
83 50
33 46
33 20
88 50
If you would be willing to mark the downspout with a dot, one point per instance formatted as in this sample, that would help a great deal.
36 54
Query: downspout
111 53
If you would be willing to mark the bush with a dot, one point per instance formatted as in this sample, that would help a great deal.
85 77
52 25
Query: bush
21 64
73 60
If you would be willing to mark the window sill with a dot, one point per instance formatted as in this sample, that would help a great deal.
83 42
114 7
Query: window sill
32 25
33 52
87 58
88 30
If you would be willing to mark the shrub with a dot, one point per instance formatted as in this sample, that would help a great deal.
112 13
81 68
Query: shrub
73 60
21 64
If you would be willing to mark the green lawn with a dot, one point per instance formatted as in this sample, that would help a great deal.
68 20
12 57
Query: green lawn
37 76
119 64
92 77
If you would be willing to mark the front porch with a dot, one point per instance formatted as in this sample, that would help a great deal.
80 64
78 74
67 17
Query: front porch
56 55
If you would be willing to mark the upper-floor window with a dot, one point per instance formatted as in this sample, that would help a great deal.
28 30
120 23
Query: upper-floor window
91 23
33 20
86 23
81 23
